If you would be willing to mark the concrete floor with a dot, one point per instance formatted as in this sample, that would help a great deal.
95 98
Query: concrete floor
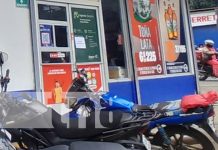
205 86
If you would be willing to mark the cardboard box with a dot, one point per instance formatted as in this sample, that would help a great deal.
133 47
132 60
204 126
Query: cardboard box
117 72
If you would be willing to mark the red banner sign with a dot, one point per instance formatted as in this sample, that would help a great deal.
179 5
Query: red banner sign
94 76
173 37
56 79
145 37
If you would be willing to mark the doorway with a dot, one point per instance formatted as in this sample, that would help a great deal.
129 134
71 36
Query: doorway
66 38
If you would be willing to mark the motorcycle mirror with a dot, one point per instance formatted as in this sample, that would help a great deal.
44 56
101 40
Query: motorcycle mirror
3 58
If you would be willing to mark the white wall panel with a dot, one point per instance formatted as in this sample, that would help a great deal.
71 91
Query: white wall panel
15 39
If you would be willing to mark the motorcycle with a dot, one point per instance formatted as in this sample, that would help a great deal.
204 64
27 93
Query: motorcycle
171 122
131 123
205 70
174 127
175 122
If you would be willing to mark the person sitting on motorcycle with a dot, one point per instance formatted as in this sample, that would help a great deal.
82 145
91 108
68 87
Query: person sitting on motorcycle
209 55
210 52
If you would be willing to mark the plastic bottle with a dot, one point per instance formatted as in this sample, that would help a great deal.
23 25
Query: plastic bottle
168 25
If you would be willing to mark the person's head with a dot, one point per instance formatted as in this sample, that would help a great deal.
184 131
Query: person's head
57 84
209 43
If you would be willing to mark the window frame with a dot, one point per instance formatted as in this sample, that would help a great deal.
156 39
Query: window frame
126 47
53 23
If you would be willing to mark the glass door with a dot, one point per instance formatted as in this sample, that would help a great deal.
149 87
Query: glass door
87 46
54 50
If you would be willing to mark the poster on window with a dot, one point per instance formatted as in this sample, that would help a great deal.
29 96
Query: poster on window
145 37
94 76
46 35
85 35
57 79
172 31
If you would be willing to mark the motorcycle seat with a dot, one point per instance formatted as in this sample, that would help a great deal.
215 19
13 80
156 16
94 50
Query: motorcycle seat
85 127
168 106
174 108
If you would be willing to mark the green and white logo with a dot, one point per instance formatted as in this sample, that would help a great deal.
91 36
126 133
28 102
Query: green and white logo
76 15
142 10
22 3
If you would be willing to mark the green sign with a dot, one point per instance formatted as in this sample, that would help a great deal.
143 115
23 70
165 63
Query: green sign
22 3
202 4
86 38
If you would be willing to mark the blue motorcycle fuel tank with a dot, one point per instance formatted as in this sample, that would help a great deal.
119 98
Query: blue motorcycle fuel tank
115 102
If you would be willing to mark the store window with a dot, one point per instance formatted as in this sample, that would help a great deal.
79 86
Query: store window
51 12
61 36
53 34
47 36
116 50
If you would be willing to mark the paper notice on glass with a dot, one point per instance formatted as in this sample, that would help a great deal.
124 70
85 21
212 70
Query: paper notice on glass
80 42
